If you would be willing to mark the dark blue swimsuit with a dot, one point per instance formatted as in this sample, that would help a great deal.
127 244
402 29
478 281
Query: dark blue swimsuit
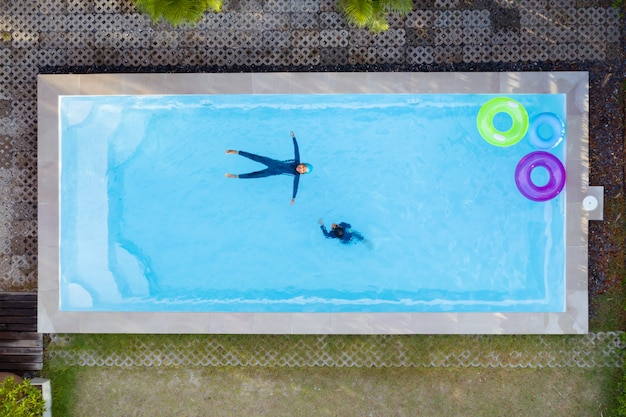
348 234
275 167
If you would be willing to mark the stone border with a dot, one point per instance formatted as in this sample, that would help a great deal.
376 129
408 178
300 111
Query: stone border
573 321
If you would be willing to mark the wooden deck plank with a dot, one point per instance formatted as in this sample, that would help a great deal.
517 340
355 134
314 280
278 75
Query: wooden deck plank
18 327
23 312
29 366
21 347
16 345
10 296
18 305
9 319
19 336
20 351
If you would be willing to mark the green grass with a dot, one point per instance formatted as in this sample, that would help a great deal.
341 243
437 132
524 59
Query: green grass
263 390
411 348
63 383
323 391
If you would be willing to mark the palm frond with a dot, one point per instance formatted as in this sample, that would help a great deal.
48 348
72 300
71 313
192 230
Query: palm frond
357 12
178 12
214 5
401 7
378 25
372 14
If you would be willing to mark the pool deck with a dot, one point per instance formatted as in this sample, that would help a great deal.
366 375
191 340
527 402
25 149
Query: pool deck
573 321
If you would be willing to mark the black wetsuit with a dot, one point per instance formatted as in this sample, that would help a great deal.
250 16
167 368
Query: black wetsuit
348 236
275 167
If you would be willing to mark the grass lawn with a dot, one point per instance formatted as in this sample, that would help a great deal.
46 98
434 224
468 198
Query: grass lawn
253 391
172 389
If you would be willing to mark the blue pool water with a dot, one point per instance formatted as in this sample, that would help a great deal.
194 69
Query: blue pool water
149 222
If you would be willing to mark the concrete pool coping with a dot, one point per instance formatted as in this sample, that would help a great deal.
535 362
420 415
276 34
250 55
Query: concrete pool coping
575 85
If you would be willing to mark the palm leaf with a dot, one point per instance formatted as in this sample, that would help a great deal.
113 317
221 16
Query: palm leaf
378 25
401 7
357 12
178 12
372 14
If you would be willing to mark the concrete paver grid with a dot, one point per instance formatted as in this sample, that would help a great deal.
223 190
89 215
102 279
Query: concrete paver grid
593 350
92 35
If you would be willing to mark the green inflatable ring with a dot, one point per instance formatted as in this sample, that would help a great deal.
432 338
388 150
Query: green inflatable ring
502 105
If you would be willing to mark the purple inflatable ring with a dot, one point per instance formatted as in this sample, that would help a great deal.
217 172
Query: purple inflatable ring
556 173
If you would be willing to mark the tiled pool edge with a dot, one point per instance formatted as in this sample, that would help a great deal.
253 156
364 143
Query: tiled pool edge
574 321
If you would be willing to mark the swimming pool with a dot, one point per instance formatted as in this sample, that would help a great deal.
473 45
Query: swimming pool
148 224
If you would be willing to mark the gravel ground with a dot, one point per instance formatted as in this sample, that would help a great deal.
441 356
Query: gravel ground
607 155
